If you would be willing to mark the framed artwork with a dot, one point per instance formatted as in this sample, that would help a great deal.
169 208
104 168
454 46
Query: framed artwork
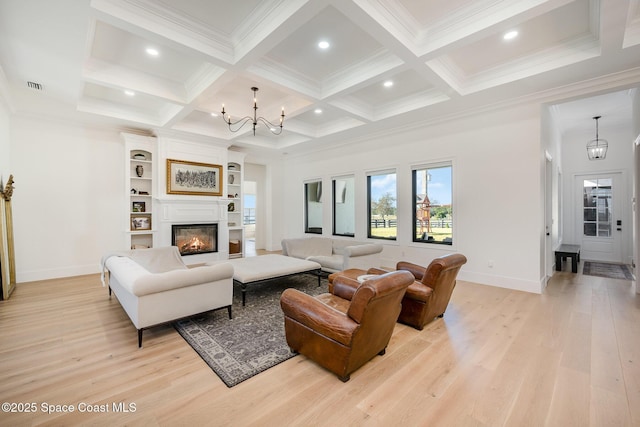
138 207
200 179
140 222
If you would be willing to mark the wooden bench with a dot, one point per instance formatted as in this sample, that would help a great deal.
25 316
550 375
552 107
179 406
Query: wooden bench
565 251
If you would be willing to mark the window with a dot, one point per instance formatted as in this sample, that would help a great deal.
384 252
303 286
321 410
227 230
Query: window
597 213
433 209
344 208
313 207
381 197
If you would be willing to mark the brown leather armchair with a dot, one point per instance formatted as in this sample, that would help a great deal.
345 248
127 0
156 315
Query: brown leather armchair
339 334
427 297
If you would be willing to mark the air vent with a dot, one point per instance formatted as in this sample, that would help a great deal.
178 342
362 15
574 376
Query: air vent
34 85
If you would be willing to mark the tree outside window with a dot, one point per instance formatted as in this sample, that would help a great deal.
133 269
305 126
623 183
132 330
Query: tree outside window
382 207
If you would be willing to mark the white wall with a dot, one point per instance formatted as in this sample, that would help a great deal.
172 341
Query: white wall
635 117
497 192
5 143
67 198
551 143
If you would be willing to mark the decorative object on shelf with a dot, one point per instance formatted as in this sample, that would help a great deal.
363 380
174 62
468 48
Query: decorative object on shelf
254 120
231 207
231 178
139 156
140 222
139 171
232 167
134 191
200 179
143 193
138 207
597 148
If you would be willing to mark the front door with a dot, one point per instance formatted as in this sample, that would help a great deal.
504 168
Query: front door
599 217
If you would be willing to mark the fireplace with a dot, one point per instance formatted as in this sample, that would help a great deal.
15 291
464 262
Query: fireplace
193 239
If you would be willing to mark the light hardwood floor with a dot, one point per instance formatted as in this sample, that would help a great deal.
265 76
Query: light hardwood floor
569 357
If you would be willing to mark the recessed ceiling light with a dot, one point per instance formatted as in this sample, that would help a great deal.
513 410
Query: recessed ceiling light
214 114
129 93
509 35
152 51
318 111
324 44
388 83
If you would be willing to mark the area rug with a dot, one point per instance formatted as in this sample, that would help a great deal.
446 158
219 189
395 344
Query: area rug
603 269
253 341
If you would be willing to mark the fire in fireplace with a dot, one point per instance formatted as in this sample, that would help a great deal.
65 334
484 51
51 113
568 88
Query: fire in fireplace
192 239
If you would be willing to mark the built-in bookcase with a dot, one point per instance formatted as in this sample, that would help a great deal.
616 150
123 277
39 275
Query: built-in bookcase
140 154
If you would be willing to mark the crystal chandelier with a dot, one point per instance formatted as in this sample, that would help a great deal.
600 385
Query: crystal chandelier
597 148
238 124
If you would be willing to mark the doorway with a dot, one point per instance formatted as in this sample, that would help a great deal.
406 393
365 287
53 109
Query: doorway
599 216
249 217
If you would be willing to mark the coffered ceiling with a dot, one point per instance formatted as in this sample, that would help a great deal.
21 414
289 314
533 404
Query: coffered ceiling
440 57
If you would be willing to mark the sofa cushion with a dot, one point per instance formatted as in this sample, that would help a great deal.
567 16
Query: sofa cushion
158 260
125 270
160 282
333 262
307 246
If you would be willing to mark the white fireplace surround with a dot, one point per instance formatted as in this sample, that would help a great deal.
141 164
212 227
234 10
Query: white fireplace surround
193 210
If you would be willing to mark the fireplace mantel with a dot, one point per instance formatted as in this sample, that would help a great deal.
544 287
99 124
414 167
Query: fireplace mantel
193 210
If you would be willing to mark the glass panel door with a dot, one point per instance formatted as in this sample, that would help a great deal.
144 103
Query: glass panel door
597 207
599 214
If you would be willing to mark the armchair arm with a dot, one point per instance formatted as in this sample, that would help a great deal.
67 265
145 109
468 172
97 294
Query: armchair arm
376 270
317 316
344 287
415 269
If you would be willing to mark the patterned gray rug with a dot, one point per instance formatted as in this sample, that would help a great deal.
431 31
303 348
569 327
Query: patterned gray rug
611 271
253 341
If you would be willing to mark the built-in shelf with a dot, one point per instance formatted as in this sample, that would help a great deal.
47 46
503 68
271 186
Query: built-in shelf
140 153
234 211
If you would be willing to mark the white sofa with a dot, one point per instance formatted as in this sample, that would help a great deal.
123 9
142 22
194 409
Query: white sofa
334 254
154 286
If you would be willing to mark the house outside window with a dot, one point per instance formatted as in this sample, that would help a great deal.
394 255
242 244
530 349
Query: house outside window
381 205
433 204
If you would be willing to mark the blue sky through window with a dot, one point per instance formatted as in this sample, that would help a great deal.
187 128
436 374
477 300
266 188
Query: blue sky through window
439 187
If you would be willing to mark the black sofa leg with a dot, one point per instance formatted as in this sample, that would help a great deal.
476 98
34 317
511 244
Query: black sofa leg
139 338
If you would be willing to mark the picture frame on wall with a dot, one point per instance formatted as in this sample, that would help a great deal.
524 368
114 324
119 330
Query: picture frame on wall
140 222
193 178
